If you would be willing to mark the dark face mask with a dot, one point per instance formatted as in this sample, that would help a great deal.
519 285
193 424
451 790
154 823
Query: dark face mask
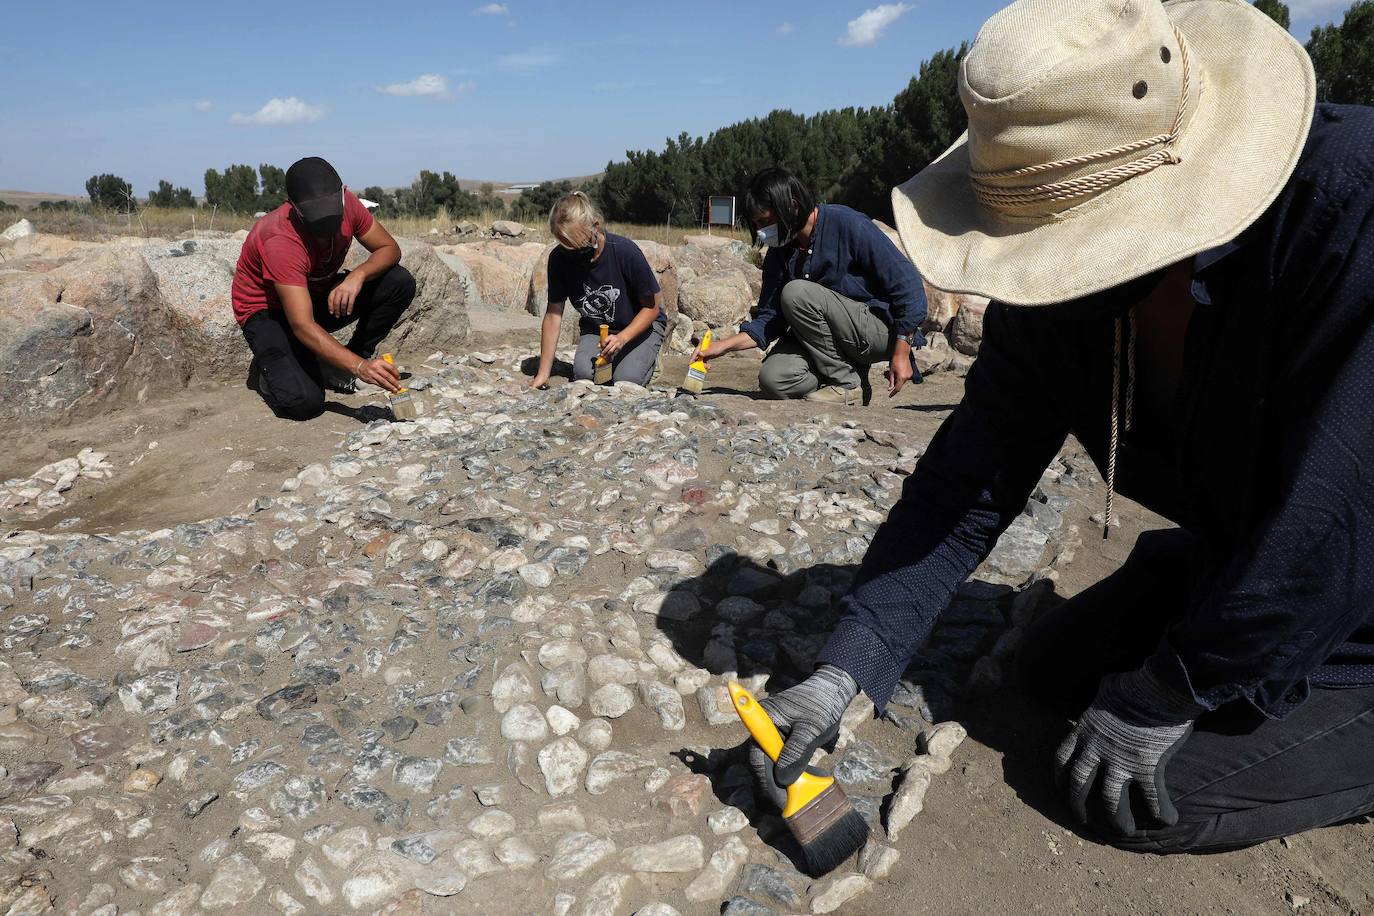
326 228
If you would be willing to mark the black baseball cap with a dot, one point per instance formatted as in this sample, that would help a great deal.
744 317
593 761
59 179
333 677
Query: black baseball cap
314 189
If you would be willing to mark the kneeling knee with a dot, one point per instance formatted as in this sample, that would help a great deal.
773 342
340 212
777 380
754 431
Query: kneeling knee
778 384
299 408
794 296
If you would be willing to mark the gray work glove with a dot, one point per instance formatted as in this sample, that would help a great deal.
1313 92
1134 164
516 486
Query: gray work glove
808 715
1120 748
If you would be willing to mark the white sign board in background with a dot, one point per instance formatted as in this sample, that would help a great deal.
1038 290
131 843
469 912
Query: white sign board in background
721 211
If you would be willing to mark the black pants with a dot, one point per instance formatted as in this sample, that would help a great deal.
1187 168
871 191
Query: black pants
287 374
1240 778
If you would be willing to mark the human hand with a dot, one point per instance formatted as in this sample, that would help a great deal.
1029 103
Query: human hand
540 380
899 370
342 296
717 348
1126 739
808 715
378 372
613 345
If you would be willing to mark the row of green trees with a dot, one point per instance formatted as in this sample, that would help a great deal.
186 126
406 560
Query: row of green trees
855 156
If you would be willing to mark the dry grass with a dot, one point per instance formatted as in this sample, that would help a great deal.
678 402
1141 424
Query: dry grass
154 222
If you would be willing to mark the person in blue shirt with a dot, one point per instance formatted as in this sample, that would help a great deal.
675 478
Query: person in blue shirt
608 281
1179 246
837 297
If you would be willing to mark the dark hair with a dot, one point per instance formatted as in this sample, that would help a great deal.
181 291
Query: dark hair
782 192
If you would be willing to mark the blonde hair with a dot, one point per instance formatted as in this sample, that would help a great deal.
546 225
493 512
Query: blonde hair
575 209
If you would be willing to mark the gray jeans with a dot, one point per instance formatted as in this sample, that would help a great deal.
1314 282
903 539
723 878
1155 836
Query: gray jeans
831 340
635 363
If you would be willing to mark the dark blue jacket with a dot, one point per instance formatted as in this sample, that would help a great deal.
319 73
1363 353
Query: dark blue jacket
1271 461
850 256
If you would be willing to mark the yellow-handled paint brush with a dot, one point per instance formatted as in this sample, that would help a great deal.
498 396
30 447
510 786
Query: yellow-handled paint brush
818 812
402 404
604 369
696 372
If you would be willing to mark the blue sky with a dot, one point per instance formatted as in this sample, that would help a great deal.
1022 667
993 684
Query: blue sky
513 91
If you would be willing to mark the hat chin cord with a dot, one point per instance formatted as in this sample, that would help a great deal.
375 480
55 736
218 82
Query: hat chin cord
1117 426
1005 199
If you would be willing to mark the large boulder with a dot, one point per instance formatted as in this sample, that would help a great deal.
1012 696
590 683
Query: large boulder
17 231
720 298
438 318
195 278
502 271
84 336
507 228
966 330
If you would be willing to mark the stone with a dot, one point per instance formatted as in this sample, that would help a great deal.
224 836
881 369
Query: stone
443 883
153 693
313 881
683 795
720 298
743 906
603 898
943 740
492 824
575 854
720 872
515 853
666 702
909 799
273 847
96 332
438 315
375 879
727 820
298 798
595 734
656 909
512 688
469 752
562 721
876 861
524 722
347 846
612 669
235 882
966 330
611 701
862 762
562 763
683 853
17 231
610 766
764 881
508 228
829 895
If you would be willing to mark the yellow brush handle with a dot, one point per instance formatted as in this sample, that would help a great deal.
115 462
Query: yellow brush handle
605 333
761 728
755 718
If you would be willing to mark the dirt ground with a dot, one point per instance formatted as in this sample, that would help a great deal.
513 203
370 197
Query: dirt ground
993 838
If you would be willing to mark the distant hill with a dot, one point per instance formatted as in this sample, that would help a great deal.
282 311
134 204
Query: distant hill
27 200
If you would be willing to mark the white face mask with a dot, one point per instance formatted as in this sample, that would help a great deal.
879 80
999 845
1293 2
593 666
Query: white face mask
771 237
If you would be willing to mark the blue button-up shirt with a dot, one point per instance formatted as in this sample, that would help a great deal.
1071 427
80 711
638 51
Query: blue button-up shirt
850 256
1269 459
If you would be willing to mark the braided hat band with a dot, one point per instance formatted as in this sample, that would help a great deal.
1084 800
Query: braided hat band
1005 199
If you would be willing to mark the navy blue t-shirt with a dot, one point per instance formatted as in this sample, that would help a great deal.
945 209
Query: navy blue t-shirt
610 290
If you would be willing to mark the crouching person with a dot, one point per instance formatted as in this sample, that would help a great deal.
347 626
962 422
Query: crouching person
289 294
609 281
838 296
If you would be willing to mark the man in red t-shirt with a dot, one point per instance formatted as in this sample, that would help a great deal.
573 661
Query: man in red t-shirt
289 295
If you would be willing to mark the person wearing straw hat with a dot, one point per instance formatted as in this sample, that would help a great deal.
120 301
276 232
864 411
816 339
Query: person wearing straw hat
1179 246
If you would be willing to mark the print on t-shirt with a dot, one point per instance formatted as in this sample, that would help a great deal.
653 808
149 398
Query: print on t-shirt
597 305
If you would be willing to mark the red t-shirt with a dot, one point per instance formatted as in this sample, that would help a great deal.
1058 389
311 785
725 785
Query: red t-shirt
275 252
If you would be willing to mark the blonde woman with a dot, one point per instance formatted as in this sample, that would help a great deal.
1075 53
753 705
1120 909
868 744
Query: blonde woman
609 281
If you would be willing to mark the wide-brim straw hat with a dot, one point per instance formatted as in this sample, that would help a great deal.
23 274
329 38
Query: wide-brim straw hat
1107 139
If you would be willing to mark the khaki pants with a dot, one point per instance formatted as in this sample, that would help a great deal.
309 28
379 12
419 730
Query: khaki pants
831 340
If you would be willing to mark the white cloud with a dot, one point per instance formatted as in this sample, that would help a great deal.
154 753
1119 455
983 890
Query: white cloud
202 105
429 85
869 27
786 28
528 60
281 112
492 9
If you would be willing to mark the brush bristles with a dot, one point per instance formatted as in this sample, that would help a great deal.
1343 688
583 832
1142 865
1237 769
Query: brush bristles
829 831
